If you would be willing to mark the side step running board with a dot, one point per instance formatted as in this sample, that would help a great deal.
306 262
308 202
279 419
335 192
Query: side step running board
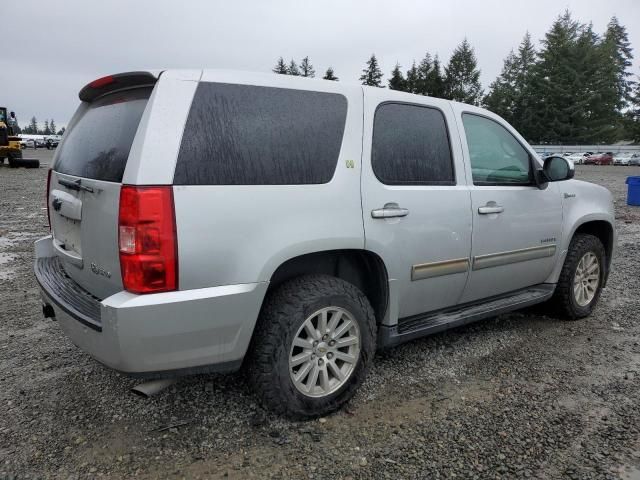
409 328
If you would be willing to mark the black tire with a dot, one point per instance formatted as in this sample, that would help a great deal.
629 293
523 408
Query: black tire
24 162
563 301
283 313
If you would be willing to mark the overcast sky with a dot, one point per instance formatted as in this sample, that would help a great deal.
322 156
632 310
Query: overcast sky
53 49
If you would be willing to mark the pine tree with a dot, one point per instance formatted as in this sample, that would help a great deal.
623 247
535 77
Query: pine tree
292 69
371 74
306 69
617 46
397 81
422 81
435 83
329 75
502 91
573 87
280 67
632 116
462 75
598 89
33 126
412 79
524 96
52 127
46 130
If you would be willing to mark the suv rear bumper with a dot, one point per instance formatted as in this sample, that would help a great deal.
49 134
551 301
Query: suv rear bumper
162 334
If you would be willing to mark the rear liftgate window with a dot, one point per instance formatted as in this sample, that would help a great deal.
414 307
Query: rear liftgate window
248 135
98 144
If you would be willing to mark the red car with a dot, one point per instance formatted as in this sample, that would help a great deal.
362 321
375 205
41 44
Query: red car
599 159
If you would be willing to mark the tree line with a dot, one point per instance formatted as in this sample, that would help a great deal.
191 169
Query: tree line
575 88
50 128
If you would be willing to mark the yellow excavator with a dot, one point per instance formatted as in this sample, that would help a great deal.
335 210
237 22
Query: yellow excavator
10 142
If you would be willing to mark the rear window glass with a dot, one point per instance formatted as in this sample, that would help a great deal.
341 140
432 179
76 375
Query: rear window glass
248 135
411 146
98 145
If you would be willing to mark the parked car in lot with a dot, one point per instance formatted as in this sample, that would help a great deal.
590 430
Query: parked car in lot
27 143
599 159
579 157
635 160
624 158
296 225
50 143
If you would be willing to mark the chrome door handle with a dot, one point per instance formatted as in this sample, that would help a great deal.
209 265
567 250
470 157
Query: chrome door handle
487 209
390 210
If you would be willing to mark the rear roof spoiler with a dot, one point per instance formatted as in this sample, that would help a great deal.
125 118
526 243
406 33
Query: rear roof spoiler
119 81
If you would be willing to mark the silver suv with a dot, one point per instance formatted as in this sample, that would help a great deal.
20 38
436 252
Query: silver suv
207 220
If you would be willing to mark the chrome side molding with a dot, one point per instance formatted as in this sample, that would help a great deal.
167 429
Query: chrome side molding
513 256
437 269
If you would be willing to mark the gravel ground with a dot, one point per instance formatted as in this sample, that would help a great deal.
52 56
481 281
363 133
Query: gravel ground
521 395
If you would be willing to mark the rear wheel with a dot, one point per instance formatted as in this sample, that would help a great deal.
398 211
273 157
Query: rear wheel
581 279
313 346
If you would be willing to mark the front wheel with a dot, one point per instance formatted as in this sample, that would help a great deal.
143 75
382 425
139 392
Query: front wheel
313 346
582 277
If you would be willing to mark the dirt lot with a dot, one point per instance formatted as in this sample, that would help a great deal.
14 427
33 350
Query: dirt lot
522 395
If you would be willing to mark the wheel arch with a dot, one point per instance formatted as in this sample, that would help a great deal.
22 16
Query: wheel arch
601 227
603 230
363 268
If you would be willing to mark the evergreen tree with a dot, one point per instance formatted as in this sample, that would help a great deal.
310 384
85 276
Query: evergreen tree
511 93
46 130
397 81
371 74
553 83
33 126
306 69
329 75
632 117
617 46
597 90
423 73
462 75
292 69
435 83
52 127
280 67
524 96
573 87
503 91
412 79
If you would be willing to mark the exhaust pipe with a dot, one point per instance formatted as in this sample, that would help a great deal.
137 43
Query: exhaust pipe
153 387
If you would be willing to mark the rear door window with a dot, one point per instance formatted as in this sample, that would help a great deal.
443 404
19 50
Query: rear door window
251 135
98 145
411 146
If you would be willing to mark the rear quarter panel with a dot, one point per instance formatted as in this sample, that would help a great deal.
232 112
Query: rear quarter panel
230 234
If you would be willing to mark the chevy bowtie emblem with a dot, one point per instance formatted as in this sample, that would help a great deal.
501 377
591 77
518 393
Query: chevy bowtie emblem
56 204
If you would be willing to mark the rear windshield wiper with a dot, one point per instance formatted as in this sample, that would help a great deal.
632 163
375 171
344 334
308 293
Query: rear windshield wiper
74 185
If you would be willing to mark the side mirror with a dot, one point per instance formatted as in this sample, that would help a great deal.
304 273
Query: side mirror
556 169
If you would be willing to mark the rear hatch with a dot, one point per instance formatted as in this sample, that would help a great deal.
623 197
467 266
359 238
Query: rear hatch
86 177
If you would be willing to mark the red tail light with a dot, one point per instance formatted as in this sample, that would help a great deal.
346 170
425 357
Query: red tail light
147 239
47 198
